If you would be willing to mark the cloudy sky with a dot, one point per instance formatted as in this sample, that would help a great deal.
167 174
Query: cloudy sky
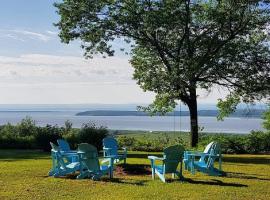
35 68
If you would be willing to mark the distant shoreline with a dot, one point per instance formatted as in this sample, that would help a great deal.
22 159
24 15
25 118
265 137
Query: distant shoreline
201 113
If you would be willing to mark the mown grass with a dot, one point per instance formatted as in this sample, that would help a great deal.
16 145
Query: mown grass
23 175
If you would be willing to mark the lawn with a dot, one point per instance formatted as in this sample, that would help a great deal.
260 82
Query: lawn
23 175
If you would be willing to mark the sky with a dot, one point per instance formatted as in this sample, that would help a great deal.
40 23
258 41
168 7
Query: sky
36 68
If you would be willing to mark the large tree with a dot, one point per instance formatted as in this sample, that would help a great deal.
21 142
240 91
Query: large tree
179 46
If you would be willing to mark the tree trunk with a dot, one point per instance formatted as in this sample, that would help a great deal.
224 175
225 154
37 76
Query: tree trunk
192 105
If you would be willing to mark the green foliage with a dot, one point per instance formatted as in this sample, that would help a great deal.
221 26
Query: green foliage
255 142
72 138
26 135
67 127
258 142
266 117
48 134
150 143
90 133
228 106
179 46
27 127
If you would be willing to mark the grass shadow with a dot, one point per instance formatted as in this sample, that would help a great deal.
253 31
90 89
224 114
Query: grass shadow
134 155
125 181
245 176
15 155
245 160
133 169
105 179
214 182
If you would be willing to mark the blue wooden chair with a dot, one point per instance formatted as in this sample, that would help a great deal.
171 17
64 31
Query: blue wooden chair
61 166
172 156
110 148
202 156
65 149
207 166
89 163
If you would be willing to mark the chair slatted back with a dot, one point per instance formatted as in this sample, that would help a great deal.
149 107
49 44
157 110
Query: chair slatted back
58 160
111 143
173 156
208 147
88 156
214 154
63 145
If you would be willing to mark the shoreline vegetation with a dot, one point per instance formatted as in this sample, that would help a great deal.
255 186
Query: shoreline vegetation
254 113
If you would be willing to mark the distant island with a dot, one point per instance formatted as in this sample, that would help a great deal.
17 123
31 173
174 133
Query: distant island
254 113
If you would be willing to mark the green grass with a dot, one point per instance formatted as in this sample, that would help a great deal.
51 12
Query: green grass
23 175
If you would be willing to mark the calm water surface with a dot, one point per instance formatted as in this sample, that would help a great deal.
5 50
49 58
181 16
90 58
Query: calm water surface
168 123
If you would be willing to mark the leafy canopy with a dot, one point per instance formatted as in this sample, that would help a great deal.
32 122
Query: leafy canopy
179 45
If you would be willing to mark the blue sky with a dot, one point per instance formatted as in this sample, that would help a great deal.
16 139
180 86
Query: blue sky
36 68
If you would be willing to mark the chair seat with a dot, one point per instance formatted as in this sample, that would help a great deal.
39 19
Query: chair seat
73 165
159 168
104 168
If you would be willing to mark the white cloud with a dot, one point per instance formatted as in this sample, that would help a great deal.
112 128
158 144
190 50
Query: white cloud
52 32
35 78
23 35
41 78
48 68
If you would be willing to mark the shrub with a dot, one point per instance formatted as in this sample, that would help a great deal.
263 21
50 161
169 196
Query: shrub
47 134
258 142
72 138
150 144
266 117
125 141
27 127
8 131
90 133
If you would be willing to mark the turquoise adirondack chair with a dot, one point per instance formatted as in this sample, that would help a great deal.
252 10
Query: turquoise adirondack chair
110 148
89 163
61 166
172 156
207 166
202 156
65 149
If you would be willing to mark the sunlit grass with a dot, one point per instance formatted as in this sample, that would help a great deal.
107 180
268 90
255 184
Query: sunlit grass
23 175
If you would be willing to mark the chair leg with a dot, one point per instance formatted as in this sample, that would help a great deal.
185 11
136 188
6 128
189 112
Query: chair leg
153 172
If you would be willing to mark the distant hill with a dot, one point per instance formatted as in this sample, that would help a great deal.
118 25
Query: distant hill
255 113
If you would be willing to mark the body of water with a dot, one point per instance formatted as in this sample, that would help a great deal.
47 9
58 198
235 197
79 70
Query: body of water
167 123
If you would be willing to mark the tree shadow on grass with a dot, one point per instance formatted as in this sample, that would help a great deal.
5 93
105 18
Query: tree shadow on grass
245 176
16 155
125 181
214 182
132 169
105 179
245 160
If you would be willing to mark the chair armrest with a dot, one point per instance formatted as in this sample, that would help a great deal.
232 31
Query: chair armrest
106 149
197 154
155 158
